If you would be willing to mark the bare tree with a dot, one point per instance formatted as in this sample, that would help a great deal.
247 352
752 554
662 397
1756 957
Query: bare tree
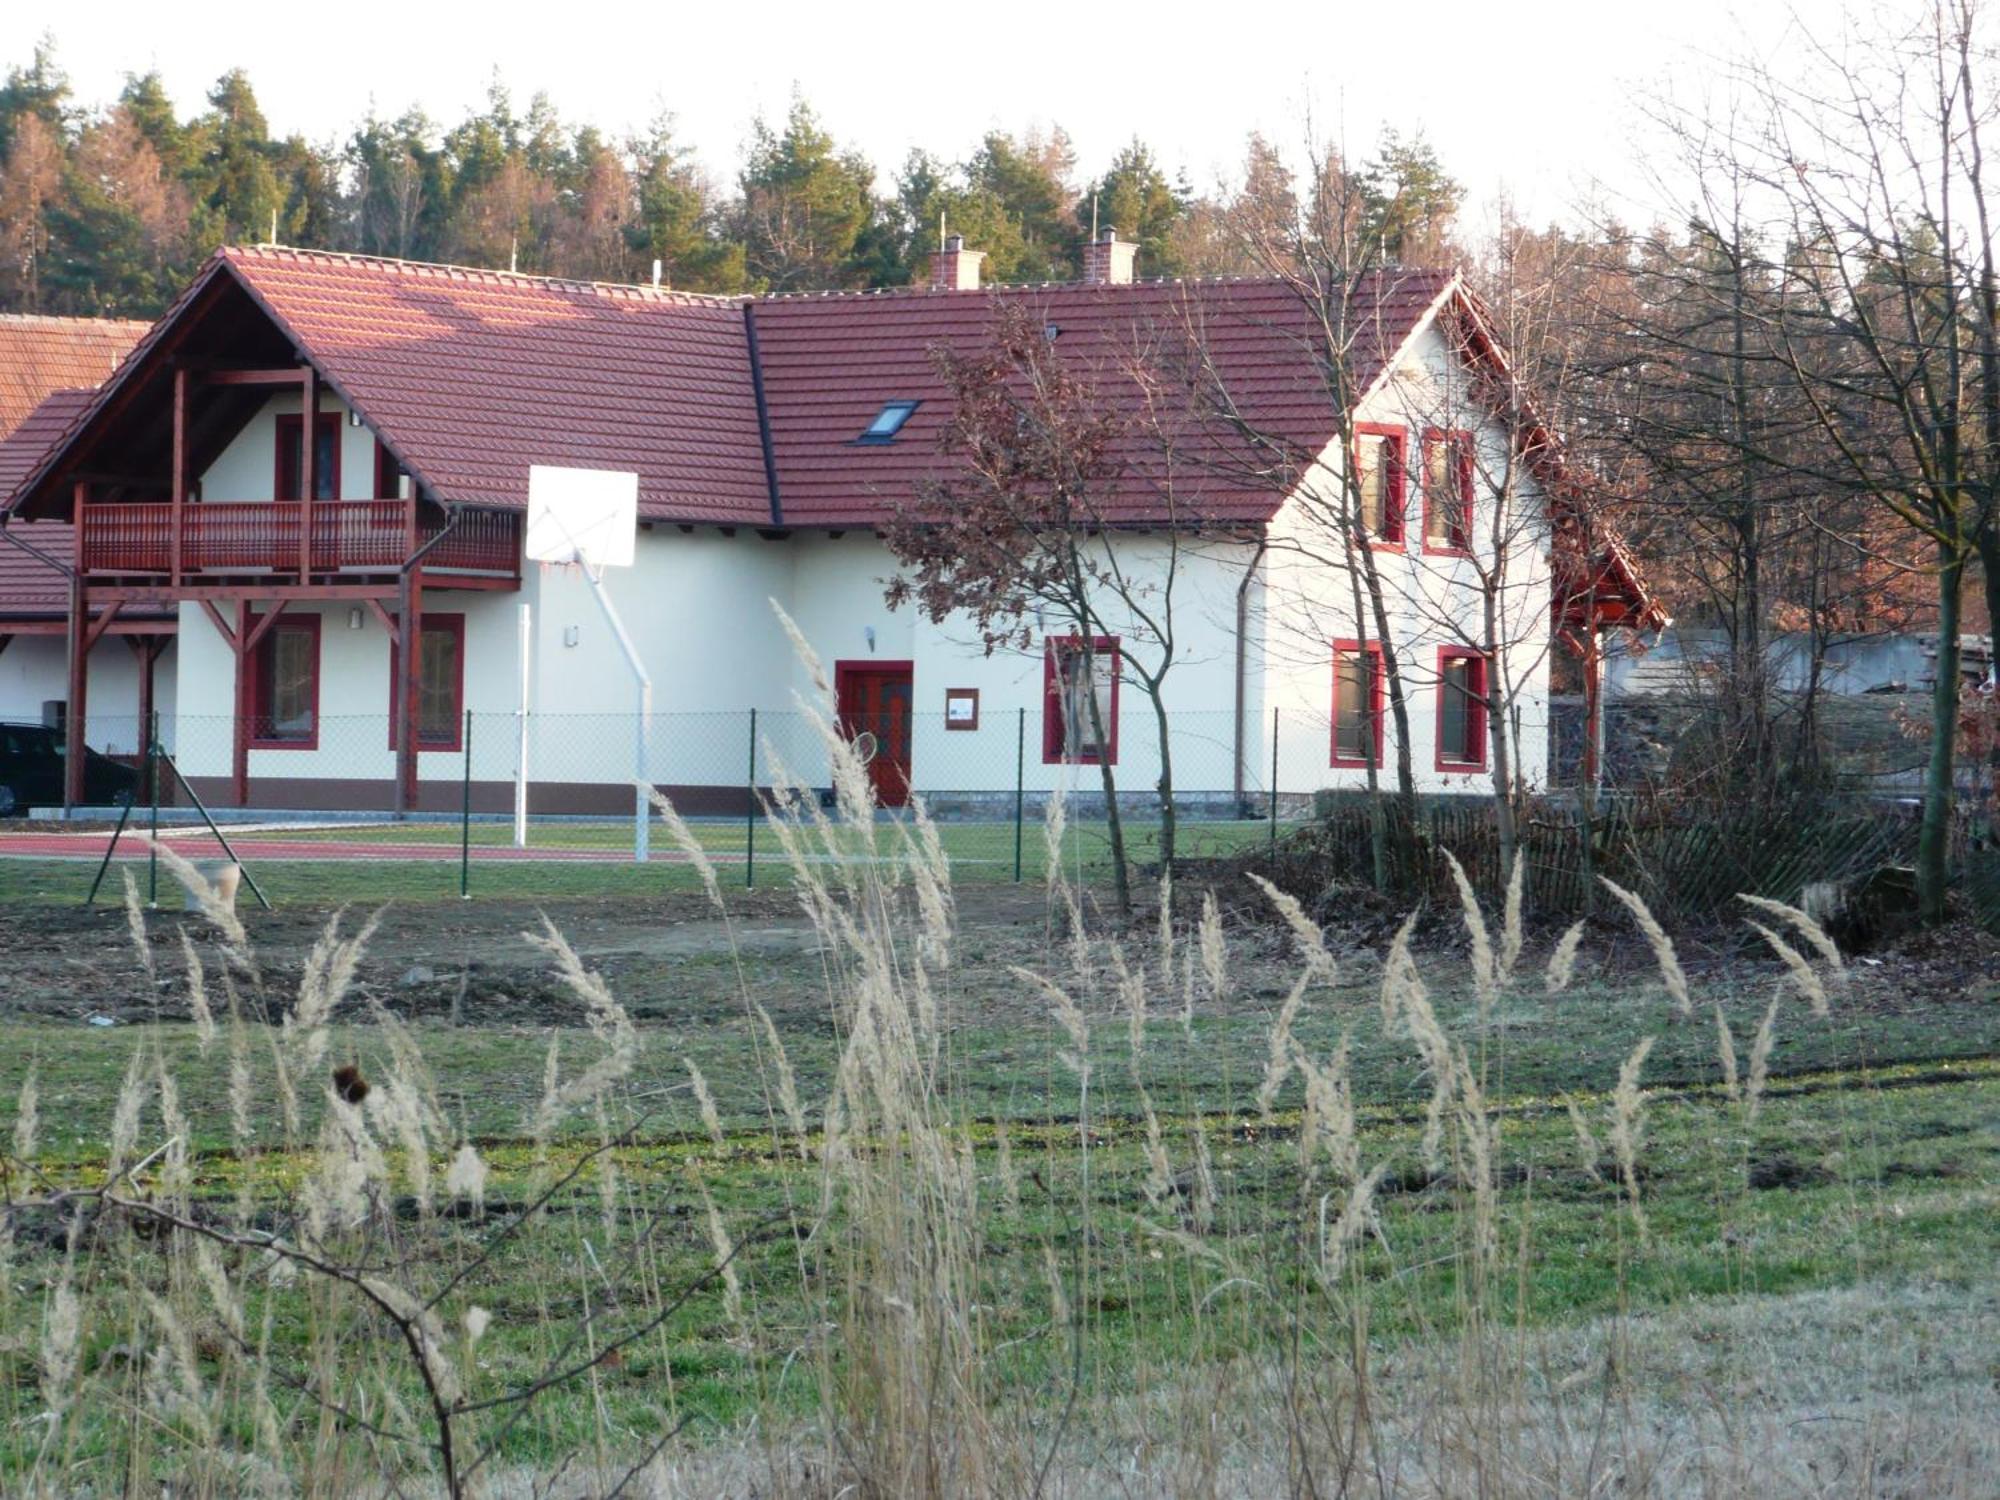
1027 523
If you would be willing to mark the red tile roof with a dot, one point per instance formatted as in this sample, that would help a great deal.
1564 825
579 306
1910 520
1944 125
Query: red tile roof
29 587
829 364
471 376
39 355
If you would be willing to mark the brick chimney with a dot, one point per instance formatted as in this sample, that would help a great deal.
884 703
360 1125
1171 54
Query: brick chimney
955 268
1107 260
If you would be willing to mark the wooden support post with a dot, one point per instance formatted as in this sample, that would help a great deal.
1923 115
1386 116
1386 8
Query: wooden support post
1593 707
246 703
79 684
308 466
178 490
147 649
409 669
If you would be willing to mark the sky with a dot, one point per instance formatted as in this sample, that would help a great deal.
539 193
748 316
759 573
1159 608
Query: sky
1534 99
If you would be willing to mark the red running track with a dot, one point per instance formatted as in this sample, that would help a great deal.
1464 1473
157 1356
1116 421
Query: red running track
261 848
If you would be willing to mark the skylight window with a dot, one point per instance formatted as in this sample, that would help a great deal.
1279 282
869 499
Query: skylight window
888 422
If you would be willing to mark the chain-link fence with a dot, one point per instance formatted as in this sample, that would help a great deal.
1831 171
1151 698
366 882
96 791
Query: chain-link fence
558 791
503 788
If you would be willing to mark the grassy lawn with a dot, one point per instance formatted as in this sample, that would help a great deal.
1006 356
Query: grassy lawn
1871 1162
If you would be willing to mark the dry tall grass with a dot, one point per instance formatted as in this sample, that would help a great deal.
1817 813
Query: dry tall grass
922 1250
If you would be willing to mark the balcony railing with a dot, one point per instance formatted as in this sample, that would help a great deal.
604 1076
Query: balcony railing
262 536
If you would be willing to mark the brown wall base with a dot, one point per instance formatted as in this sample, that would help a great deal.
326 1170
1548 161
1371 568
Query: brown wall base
545 798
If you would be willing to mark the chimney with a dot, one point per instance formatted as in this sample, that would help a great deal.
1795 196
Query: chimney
955 268
1107 260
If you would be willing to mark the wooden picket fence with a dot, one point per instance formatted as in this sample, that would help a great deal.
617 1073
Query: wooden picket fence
1689 859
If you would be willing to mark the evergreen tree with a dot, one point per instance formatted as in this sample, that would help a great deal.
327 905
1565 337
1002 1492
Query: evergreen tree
40 89
677 220
806 207
1135 198
1031 182
1408 201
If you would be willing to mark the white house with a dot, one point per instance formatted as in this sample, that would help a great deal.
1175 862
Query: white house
771 438
48 368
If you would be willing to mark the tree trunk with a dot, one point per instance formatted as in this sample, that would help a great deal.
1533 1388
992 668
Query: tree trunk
1114 825
1168 824
1934 837
1989 567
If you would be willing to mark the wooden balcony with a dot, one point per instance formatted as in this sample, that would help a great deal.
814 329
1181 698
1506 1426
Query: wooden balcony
227 538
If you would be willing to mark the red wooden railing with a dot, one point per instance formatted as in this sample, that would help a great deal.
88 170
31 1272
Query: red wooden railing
262 536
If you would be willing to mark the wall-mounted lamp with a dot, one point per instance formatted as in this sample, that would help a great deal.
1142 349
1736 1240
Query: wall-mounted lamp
354 618
868 635
569 635
353 417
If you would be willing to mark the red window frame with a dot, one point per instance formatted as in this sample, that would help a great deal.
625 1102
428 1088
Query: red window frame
1394 536
1458 540
1105 646
439 624
1376 690
287 472
1475 707
259 667
387 472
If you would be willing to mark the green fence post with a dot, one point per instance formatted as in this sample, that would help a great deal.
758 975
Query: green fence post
1274 786
153 796
465 817
750 813
1020 780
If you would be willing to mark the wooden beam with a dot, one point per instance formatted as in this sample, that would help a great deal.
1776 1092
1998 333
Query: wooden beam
79 680
288 376
222 627
96 628
261 625
409 669
178 493
147 650
225 593
389 622
308 465
239 761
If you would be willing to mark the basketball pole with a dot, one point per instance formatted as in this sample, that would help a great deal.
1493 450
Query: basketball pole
642 812
521 727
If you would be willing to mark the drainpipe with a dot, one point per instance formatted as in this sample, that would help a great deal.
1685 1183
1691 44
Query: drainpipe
1243 662
8 534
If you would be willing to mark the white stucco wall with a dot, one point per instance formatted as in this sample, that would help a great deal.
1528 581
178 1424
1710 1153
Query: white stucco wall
696 602
34 670
1432 600
247 468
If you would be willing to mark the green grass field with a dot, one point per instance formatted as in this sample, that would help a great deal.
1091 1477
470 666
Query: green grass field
745 855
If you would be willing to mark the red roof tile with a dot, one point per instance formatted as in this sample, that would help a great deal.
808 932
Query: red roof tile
830 363
40 355
29 587
471 376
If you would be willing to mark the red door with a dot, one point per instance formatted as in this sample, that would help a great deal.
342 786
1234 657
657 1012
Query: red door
875 699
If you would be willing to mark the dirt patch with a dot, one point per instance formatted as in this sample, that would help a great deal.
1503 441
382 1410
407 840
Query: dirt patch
1781 1169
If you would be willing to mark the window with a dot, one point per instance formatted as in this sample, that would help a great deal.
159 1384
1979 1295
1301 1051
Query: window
326 439
888 422
1080 700
284 686
1379 467
1357 704
1461 709
440 686
1447 491
388 474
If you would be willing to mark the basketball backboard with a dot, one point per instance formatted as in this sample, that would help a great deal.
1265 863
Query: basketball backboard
588 516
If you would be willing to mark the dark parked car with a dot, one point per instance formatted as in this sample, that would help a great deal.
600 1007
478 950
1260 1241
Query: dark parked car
31 772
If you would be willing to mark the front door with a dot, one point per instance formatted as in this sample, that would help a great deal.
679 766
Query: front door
875 699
